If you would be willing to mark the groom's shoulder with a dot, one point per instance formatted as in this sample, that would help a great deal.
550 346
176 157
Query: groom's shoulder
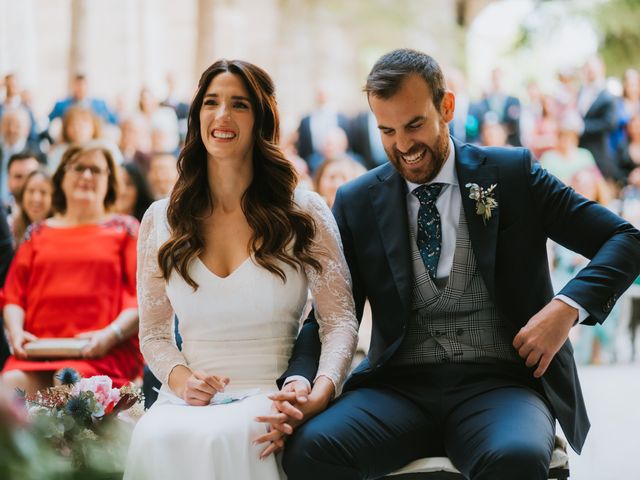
368 179
497 154
509 160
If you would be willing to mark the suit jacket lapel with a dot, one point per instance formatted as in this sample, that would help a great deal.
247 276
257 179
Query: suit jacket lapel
471 168
388 198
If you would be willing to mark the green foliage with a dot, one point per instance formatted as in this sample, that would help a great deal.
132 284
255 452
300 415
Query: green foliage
619 22
48 450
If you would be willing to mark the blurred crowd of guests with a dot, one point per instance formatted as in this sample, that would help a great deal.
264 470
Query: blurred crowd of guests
581 132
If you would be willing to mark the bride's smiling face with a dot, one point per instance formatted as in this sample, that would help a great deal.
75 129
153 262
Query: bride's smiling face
227 119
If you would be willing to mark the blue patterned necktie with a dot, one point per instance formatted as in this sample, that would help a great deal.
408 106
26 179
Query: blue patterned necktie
429 230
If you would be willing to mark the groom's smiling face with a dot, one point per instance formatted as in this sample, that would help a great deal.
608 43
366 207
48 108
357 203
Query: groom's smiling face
414 131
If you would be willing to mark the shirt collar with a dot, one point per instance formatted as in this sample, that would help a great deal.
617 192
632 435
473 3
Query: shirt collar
447 174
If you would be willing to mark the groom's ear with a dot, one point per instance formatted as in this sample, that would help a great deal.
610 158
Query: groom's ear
448 106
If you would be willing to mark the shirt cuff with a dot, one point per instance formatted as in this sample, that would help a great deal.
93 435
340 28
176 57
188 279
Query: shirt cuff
293 378
582 313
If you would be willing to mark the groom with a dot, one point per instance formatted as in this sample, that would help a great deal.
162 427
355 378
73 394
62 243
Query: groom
469 355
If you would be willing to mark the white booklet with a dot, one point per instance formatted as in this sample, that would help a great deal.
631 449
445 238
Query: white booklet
219 398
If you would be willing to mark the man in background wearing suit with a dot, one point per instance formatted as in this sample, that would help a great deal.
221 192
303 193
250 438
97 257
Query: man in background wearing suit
469 355
598 109
505 107
314 127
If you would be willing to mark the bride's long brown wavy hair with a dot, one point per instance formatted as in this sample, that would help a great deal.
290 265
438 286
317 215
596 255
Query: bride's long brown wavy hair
267 203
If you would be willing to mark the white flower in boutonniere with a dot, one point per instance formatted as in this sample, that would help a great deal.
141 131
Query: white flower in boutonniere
485 202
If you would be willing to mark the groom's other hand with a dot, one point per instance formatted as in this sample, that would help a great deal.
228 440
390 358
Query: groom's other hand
543 335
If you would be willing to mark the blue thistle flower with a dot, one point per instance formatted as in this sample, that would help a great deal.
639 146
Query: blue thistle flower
79 408
68 376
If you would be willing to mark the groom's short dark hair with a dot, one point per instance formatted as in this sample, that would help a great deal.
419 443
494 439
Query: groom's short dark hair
388 73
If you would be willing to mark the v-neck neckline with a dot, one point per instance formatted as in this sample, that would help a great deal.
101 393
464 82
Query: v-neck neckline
232 274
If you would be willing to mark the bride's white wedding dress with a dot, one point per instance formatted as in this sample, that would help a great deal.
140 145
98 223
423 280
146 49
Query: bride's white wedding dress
242 326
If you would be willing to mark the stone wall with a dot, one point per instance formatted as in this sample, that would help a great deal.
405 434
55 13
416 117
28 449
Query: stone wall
124 44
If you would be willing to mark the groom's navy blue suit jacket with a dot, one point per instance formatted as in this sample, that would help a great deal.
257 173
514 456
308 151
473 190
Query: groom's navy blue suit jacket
533 205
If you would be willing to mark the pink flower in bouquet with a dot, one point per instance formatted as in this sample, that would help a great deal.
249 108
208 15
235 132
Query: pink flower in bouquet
101 387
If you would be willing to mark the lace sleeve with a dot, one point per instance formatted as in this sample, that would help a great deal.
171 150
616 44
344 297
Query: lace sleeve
157 338
332 295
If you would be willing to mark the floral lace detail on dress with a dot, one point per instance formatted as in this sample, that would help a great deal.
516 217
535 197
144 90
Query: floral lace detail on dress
157 337
332 293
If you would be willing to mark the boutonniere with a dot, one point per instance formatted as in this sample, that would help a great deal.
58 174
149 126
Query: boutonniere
485 201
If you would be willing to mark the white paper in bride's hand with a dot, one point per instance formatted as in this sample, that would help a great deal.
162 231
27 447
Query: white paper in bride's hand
217 399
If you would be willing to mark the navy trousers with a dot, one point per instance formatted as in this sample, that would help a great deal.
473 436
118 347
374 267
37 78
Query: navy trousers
491 420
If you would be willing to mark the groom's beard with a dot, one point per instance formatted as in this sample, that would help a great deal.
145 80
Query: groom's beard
431 163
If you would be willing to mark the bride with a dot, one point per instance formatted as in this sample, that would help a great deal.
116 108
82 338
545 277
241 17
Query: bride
233 253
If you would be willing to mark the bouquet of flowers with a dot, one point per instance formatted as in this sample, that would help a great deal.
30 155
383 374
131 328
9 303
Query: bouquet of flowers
78 417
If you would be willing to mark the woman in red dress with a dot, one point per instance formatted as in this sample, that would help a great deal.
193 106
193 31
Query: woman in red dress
74 276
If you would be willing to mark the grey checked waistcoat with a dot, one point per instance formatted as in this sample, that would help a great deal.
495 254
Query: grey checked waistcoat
458 323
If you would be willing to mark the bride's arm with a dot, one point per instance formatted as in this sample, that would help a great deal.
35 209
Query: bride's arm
333 299
157 338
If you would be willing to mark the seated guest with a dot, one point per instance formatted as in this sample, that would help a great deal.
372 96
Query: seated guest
14 138
332 174
492 132
160 121
135 141
335 145
74 275
628 151
34 202
567 158
79 96
544 131
79 125
14 98
134 192
163 173
18 169
627 106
